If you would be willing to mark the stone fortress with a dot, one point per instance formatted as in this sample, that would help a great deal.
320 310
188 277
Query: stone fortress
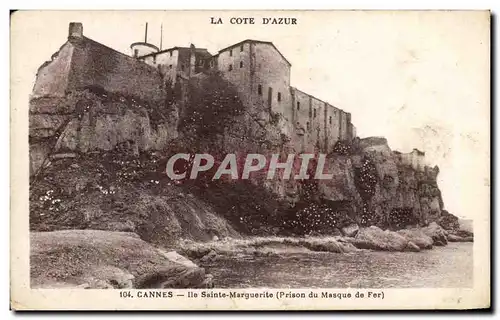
261 74
257 69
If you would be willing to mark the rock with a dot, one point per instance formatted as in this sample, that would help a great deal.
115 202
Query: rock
376 239
215 238
448 221
322 245
350 230
348 247
175 257
455 238
411 247
463 233
104 259
437 233
74 166
211 256
440 243
418 237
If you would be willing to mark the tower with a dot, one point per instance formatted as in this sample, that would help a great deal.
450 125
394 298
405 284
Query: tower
140 49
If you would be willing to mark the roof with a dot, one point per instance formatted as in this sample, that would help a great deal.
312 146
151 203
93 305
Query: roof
199 50
144 44
256 41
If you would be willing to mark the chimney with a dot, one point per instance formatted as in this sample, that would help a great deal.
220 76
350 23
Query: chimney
75 30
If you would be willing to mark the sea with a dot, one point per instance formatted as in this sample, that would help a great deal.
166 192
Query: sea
450 266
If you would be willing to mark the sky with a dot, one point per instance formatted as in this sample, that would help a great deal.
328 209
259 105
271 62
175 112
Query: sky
420 79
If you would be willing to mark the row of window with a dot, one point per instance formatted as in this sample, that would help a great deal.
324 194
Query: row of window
298 108
308 125
259 91
231 51
230 68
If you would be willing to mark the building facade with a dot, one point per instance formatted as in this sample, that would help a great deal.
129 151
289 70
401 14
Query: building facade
261 74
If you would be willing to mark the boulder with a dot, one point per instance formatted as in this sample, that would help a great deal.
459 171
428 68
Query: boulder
212 255
321 245
377 239
437 233
350 230
411 247
463 233
177 258
455 238
418 237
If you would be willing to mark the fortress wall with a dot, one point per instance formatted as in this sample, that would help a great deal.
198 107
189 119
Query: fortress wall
344 132
94 64
52 77
353 131
321 130
239 77
332 128
272 71
317 122
301 117
301 108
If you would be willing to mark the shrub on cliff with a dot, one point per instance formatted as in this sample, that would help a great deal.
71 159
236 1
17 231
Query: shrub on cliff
211 105
342 147
365 179
315 218
252 209
448 221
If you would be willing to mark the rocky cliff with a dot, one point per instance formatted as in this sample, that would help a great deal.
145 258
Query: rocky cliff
101 157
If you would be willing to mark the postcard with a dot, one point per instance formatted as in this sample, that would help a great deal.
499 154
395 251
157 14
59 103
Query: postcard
250 160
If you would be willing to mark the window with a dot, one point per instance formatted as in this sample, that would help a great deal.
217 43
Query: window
298 105
170 53
279 96
154 59
230 67
330 119
136 52
241 48
314 113
259 90
170 66
241 64
307 125
182 67
231 52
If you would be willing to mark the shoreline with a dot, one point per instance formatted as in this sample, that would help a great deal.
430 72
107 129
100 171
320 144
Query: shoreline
371 238
120 264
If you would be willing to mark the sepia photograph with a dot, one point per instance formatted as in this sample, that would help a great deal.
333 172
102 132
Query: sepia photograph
218 157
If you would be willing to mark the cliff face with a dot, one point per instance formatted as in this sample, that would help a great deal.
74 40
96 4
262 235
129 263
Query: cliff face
396 194
103 154
95 120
